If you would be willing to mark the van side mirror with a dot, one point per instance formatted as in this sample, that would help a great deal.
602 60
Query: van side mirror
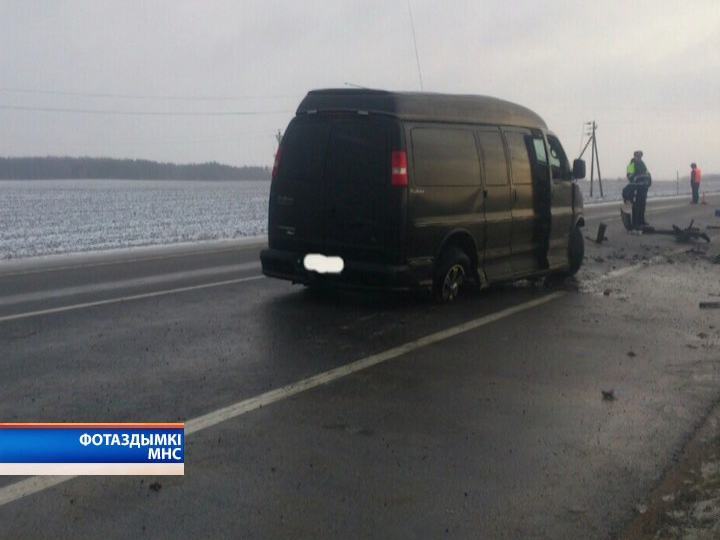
578 171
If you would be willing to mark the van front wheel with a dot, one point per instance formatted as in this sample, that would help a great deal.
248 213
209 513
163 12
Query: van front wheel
576 251
451 274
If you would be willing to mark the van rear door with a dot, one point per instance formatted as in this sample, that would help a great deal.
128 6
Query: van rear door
332 192
297 193
359 204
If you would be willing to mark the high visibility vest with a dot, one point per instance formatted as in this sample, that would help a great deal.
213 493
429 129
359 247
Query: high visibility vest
631 169
697 178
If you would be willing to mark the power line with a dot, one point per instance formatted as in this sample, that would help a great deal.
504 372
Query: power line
189 141
141 113
139 96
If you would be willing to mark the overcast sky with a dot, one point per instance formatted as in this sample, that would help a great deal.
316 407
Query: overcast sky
648 72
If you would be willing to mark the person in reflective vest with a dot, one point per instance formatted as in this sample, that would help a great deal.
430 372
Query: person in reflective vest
639 181
695 179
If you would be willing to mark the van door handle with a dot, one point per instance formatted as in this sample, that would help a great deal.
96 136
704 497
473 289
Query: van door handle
484 193
514 195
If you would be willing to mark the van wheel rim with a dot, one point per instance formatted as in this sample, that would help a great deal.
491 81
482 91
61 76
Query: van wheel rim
452 282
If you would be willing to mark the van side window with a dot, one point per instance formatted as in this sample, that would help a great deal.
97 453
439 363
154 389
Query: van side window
558 161
494 163
540 154
445 157
304 153
519 158
358 153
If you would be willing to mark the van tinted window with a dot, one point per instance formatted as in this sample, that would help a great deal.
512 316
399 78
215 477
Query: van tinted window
304 150
359 153
445 157
493 153
519 159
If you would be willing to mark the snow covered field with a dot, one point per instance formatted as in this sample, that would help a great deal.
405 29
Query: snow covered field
46 217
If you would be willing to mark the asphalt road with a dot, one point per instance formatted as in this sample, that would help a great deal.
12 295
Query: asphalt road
365 415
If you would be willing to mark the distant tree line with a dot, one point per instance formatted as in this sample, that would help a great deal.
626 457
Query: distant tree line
36 168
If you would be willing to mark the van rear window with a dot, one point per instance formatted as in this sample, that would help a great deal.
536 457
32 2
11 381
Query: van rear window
304 152
359 153
445 157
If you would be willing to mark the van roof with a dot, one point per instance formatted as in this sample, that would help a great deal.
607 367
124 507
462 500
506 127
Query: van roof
422 106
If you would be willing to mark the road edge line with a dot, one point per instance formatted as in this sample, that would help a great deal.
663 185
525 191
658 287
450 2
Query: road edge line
165 292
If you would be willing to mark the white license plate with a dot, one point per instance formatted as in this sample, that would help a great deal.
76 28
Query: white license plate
323 264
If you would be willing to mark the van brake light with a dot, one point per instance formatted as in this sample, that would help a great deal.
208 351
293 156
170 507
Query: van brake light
277 162
399 175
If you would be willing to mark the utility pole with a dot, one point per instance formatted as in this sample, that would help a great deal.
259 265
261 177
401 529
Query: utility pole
677 182
594 157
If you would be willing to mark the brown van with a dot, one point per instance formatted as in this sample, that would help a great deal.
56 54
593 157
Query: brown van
420 191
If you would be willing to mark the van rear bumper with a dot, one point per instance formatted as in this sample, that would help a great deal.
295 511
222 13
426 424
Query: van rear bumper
417 274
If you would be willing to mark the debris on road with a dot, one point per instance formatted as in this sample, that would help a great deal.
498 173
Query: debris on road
681 235
608 395
600 238
155 486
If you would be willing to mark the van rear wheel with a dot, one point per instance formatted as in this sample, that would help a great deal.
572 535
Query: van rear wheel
451 274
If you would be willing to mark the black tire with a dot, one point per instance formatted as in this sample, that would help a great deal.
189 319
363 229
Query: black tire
576 251
451 273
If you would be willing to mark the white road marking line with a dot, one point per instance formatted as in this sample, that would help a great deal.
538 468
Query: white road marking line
615 215
36 484
125 298
116 258
30 486
104 263
126 283
291 389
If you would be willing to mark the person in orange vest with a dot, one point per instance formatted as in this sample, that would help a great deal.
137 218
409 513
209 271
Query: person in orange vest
695 179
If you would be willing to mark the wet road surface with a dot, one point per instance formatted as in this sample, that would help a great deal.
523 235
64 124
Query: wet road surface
486 418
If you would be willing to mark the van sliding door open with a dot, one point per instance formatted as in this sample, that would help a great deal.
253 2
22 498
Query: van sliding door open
525 239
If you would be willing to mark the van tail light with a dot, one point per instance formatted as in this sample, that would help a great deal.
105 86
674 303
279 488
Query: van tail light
399 174
277 162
